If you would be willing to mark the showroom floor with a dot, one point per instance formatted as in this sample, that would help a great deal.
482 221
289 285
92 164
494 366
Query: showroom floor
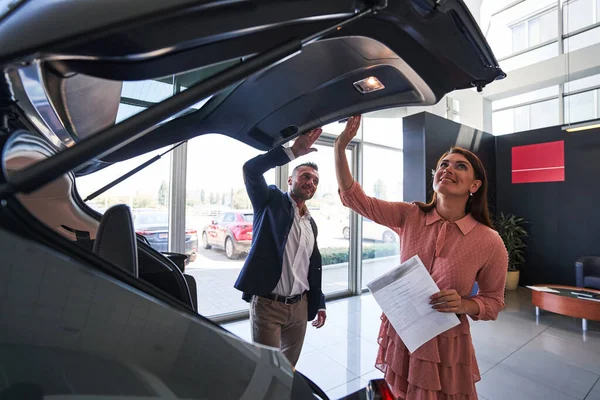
521 357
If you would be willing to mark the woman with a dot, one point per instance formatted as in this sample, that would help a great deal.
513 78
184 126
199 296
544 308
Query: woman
454 238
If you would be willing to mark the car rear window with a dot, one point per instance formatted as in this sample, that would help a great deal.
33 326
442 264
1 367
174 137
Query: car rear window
153 218
248 217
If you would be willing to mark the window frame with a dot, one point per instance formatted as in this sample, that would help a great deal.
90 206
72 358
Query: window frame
526 104
526 20
596 103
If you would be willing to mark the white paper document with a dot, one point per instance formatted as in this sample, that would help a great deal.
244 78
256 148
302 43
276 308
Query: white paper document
542 289
404 294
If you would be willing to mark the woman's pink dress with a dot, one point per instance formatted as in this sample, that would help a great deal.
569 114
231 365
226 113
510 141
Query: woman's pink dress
456 255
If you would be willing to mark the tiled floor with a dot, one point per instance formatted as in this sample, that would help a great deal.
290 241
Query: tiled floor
521 357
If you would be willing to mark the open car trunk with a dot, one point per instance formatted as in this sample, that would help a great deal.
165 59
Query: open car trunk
419 50
259 71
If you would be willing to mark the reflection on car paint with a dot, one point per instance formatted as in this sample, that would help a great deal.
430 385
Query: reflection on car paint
69 330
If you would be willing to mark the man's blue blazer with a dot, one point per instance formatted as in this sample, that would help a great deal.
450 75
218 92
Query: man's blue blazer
273 218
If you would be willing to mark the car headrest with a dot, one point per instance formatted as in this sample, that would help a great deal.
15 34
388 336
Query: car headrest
116 241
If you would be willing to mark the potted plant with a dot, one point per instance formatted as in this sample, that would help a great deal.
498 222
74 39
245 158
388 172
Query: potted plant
512 232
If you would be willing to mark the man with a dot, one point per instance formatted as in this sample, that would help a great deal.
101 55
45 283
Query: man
281 277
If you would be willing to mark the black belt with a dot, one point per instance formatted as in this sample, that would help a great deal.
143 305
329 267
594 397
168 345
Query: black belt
283 299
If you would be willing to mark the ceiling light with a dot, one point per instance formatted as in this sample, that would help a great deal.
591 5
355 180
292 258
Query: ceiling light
368 85
582 126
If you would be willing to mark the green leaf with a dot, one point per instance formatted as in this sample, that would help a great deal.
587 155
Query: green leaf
511 230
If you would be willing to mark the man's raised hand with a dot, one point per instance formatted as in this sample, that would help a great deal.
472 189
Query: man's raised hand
304 142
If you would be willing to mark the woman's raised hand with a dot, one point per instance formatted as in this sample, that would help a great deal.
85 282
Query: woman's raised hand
342 170
349 131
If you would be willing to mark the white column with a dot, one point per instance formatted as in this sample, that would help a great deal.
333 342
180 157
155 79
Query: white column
177 198
487 116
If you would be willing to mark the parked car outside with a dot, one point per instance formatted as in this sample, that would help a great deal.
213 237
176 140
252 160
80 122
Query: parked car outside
230 231
371 231
153 224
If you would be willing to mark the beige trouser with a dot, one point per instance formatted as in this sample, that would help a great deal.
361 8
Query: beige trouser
279 325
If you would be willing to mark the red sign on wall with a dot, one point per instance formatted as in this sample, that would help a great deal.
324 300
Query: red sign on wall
543 162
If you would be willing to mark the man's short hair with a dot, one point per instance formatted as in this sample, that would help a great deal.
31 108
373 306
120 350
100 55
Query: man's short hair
306 164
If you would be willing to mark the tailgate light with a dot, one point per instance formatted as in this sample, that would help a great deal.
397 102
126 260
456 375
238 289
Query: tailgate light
243 232
368 85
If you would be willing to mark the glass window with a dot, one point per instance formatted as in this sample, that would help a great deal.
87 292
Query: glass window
248 217
584 83
543 28
331 218
524 25
525 98
456 105
453 109
385 131
577 14
126 111
149 91
533 116
151 218
503 122
545 113
519 37
383 174
146 193
530 57
219 213
582 40
580 107
521 118
140 93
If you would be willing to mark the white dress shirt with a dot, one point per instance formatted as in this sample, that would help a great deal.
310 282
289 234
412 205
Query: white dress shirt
296 256
298 249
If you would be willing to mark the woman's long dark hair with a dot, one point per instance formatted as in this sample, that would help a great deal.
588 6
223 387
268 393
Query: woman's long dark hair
477 204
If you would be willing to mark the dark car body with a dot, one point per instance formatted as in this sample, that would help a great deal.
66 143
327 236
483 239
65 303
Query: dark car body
230 231
154 226
75 322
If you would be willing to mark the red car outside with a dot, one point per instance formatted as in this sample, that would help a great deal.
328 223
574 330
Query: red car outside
230 231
